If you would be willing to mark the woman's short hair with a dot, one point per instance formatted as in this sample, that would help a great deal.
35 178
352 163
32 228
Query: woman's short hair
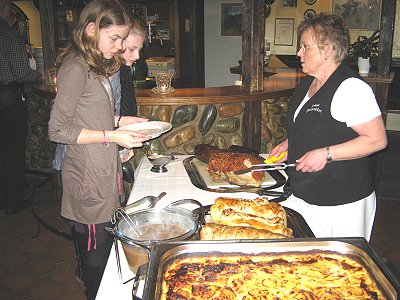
328 28
103 13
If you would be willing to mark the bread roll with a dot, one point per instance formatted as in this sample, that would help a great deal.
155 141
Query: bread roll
260 207
212 231
233 218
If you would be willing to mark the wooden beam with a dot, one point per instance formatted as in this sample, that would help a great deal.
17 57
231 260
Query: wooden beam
388 11
252 68
253 31
48 32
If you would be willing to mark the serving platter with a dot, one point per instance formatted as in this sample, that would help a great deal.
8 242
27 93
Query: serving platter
295 221
152 128
200 178
162 253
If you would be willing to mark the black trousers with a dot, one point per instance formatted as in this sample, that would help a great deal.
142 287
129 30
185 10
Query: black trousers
91 261
13 132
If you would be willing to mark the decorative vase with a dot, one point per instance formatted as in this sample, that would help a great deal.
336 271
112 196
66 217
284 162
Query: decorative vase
363 66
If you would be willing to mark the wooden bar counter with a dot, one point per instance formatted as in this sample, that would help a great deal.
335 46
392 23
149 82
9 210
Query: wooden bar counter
215 115
281 83
220 116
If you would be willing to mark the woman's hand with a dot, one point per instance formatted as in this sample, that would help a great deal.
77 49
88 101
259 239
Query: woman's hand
312 161
126 120
127 138
277 150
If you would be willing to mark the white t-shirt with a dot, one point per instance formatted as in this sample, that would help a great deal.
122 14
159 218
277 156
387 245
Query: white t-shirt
353 103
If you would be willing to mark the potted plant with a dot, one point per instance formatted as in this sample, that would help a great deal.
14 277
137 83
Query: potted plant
363 49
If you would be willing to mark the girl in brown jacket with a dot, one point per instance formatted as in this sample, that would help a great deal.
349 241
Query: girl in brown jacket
83 118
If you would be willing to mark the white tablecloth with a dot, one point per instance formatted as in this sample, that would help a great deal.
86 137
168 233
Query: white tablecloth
176 183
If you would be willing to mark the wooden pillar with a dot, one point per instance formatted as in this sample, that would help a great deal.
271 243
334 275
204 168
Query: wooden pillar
46 9
388 11
253 28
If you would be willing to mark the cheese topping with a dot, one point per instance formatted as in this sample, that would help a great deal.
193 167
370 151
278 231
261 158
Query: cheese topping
305 275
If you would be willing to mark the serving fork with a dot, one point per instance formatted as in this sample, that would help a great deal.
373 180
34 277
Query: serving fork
264 167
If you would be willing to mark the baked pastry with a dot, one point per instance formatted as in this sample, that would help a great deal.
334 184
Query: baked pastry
213 231
264 220
258 207
313 274
221 166
233 218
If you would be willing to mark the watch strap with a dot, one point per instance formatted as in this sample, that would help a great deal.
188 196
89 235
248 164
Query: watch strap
329 158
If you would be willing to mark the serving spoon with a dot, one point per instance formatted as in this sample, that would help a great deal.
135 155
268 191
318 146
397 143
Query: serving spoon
145 202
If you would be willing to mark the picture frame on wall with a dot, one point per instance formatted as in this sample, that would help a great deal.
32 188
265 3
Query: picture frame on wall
310 2
284 30
309 13
360 14
231 19
289 3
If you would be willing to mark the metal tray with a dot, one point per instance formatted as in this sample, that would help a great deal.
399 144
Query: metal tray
162 253
294 221
198 181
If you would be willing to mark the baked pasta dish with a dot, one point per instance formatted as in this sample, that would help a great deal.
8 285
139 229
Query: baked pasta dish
292 275
236 218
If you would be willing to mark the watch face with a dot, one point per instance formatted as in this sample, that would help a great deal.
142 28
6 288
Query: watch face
310 2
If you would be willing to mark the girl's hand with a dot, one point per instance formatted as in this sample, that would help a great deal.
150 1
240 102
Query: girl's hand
127 155
127 138
126 120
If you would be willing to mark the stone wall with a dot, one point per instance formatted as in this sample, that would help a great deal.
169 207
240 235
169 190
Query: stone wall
220 125
39 149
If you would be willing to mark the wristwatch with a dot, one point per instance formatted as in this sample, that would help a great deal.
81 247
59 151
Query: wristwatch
329 158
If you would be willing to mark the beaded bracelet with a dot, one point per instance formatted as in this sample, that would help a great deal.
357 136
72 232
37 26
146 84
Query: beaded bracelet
104 138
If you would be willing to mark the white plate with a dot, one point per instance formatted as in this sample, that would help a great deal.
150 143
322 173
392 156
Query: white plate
151 128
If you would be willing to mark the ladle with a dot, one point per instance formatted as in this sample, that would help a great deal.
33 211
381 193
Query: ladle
146 202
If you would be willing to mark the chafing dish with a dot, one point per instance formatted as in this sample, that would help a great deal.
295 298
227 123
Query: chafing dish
162 253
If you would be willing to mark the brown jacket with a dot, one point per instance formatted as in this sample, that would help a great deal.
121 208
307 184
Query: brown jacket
89 173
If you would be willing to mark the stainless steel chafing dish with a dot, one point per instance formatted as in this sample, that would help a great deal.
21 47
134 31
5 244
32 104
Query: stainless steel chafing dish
162 253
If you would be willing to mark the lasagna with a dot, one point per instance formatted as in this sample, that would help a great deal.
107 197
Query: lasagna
310 274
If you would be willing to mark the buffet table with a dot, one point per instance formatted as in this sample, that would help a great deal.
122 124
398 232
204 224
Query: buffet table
177 185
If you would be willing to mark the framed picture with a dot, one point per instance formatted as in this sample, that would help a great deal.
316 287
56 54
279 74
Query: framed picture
310 2
231 18
284 30
289 3
361 14
309 13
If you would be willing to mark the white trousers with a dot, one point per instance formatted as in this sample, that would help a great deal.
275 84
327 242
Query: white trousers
348 220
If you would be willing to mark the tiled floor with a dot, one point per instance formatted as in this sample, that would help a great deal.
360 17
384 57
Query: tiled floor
42 267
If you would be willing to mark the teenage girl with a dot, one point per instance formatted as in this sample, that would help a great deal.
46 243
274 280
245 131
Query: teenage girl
122 81
83 118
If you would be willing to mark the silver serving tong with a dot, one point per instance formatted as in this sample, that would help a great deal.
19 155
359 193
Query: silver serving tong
144 203
121 213
264 167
